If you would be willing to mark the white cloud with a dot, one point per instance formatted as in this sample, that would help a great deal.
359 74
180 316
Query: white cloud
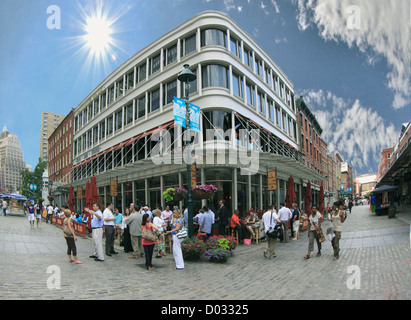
384 31
358 133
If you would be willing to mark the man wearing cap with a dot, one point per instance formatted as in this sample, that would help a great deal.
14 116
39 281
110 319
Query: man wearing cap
145 210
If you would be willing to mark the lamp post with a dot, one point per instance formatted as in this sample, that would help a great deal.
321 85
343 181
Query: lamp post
186 76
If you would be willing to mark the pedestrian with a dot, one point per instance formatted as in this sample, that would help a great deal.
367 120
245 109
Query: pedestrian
285 215
49 213
118 216
206 223
350 205
30 214
125 231
167 214
4 206
147 244
38 207
252 223
145 210
133 222
160 246
296 221
314 221
337 217
222 217
109 230
70 235
236 225
97 223
177 253
270 220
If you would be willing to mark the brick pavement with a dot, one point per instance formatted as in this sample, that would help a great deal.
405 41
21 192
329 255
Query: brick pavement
378 246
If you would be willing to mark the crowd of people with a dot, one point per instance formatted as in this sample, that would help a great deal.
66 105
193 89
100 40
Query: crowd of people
138 221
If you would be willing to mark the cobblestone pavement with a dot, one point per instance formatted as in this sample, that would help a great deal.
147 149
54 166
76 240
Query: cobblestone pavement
375 256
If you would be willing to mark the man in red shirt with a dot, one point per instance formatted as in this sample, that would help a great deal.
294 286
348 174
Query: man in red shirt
236 225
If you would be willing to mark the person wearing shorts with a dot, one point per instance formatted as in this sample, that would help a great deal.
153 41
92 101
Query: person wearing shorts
30 215
38 214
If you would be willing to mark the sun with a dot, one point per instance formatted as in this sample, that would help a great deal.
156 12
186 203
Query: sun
98 35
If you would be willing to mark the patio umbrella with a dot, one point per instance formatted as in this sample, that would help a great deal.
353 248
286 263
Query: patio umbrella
308 198
94 198
87 199
290 197
321 199
71 199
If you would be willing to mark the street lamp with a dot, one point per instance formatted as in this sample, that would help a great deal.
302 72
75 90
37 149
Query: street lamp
186 76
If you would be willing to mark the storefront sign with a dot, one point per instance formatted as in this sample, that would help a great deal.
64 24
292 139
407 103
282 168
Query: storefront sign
79 193
113 188
272 181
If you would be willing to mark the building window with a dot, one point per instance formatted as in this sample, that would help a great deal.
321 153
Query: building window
216 37
129 114
109 125
261 103
142 72
278 112
259 67
170 55
235 47
238 85
188 45
215 76
140 107
102 130
154 64
271 110
120 87
154 100
119 120
111 94
130 80
169 92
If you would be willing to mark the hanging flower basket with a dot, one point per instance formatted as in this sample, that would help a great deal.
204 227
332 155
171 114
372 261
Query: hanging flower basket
175 194
204 191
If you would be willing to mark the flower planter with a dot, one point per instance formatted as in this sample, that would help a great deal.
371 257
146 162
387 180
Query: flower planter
200 194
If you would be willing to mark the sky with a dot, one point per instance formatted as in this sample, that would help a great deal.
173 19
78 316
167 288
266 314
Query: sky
350 59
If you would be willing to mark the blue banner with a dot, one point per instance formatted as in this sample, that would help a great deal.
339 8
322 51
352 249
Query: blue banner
194 118
179 108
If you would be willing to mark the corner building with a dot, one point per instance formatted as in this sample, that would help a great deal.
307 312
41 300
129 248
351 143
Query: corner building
239 89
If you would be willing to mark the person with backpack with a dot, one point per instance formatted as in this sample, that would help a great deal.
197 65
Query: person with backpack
270 220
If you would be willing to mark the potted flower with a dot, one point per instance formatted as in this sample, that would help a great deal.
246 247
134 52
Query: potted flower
204 191
192 249
174 194
218 255
224 242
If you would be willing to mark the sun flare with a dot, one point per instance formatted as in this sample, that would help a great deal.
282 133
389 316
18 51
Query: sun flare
98 31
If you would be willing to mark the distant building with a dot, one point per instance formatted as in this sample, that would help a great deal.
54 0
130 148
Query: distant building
11 162
347 177
364 184
49 122
384 162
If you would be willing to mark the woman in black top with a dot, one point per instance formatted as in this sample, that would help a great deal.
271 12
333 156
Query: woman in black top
296 221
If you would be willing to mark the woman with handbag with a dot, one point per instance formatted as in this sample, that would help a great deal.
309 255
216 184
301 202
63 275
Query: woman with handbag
337 217
177 225
314 219
70 236
160 247
149 239
252 223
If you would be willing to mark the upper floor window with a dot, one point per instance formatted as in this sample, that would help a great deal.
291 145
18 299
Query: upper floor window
170 55
154 64
215 37
235 47
188 45
215 75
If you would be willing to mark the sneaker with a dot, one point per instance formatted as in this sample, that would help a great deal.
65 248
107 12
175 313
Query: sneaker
265 254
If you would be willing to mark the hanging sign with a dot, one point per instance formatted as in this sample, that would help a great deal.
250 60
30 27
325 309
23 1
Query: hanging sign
272 181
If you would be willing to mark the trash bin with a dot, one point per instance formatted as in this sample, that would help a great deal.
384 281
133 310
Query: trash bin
391 212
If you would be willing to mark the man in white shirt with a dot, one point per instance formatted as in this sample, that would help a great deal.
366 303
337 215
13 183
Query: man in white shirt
285 215
167 214
49 213
270 219
109 219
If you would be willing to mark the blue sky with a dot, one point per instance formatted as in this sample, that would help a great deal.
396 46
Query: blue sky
356 81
